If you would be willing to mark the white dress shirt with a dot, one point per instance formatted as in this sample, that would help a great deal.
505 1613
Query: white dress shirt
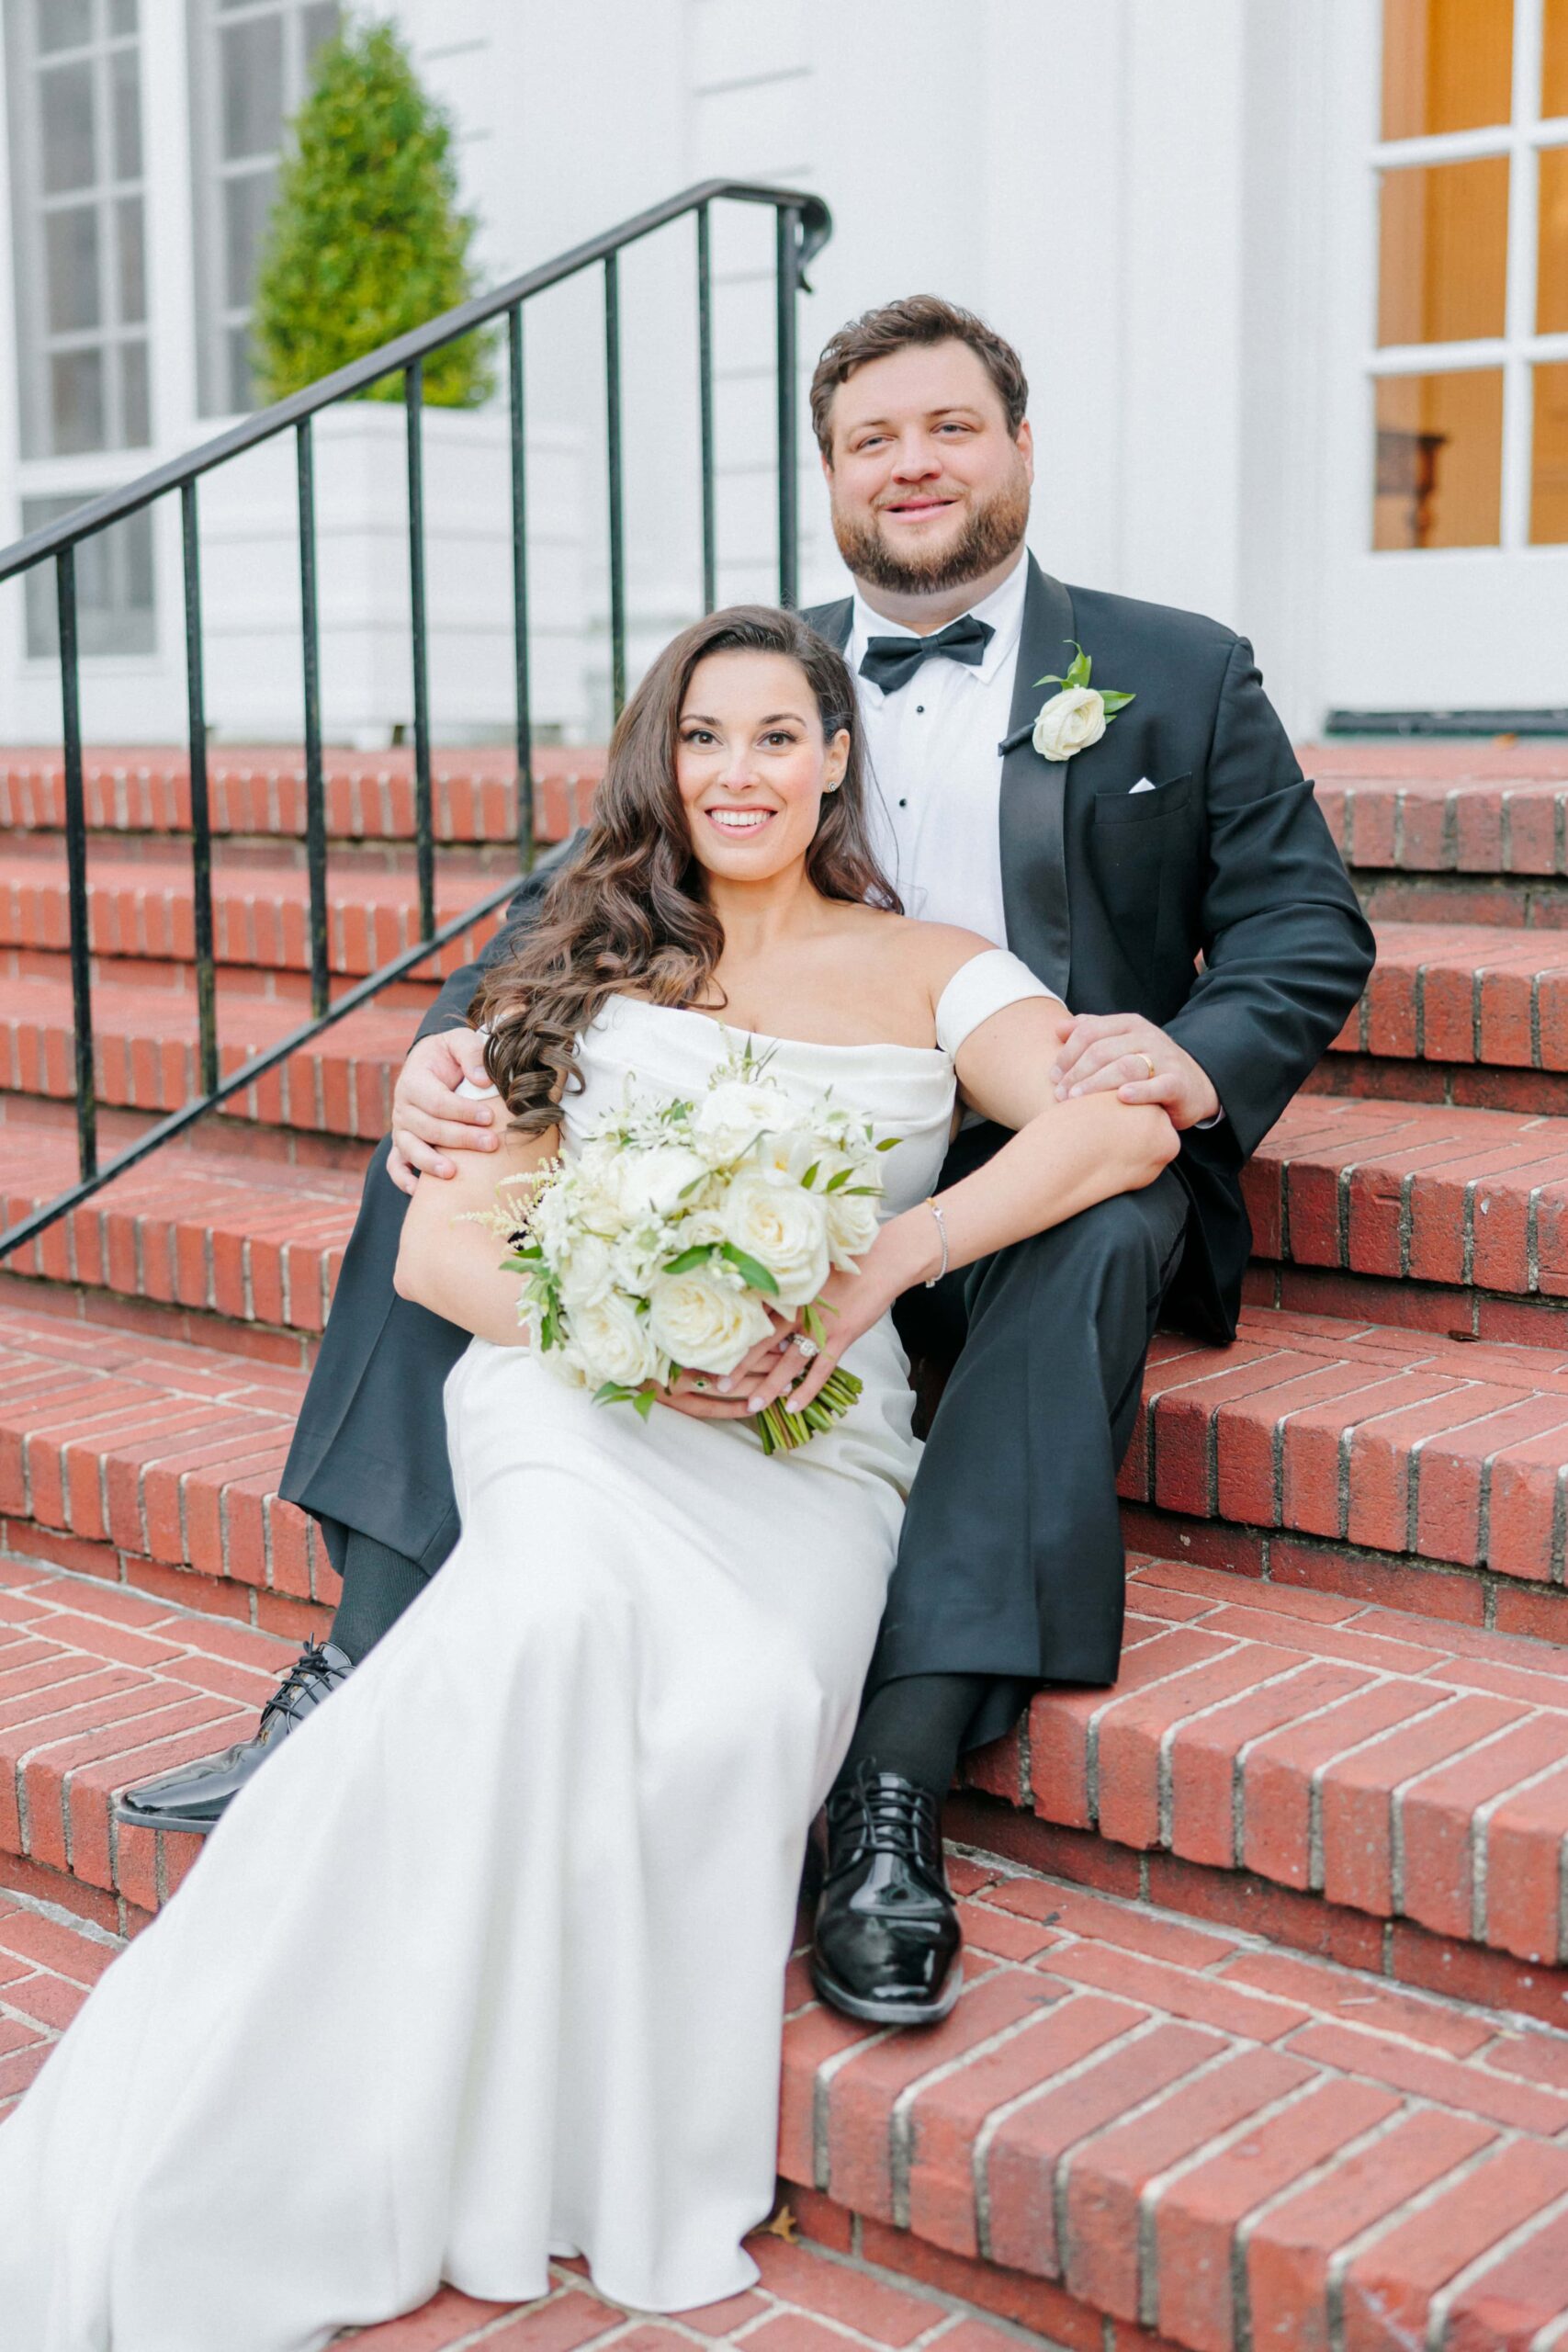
935 775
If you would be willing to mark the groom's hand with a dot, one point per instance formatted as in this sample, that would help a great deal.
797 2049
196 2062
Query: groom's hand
430 1117
1122 1052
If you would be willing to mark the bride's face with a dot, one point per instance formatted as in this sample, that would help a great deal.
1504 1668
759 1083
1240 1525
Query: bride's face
752 764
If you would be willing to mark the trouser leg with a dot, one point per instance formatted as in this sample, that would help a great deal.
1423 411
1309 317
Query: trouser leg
1010 1563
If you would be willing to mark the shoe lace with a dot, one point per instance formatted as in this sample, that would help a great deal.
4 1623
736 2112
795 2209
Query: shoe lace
312 1665
892 1814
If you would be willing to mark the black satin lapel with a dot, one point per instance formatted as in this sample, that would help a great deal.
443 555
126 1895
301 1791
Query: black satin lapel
1034 791
832 621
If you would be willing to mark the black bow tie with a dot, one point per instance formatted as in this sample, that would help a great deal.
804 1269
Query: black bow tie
891 661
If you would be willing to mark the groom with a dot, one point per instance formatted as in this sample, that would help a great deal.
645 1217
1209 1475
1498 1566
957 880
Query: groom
1172 880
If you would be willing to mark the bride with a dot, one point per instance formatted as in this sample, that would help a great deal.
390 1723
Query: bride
488 1964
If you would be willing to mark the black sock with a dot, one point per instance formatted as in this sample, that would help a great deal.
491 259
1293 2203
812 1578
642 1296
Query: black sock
916 1726
377 1585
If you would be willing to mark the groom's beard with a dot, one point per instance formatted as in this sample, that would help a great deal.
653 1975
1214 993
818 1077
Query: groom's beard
993 532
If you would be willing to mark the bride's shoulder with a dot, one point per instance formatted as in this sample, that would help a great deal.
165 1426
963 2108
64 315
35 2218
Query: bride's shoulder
937 950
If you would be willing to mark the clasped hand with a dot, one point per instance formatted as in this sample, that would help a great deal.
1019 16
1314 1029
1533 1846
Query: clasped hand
1101 1052
777 1369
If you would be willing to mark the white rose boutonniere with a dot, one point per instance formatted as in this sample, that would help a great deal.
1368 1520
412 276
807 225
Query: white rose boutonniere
1078 714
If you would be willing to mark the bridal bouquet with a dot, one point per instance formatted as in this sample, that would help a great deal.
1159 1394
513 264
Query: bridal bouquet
658 1246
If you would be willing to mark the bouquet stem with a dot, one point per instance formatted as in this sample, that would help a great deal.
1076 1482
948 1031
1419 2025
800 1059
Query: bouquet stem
782 1430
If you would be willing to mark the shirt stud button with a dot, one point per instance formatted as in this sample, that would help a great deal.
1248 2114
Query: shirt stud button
903 804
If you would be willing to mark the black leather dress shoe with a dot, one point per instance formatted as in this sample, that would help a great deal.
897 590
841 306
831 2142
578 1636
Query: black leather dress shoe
887 1939
195 1796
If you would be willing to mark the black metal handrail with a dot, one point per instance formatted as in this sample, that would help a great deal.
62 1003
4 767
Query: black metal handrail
803 226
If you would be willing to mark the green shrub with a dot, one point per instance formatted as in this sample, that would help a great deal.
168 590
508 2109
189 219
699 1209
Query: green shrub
365 239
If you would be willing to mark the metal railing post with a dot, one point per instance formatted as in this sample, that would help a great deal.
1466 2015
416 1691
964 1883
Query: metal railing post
616 514
424 819
787 266
200 813
705 406
76 864
315 784
520 589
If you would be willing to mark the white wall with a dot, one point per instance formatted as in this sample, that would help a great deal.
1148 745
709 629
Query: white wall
1114 187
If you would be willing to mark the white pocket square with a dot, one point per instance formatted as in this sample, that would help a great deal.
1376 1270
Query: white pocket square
1142 785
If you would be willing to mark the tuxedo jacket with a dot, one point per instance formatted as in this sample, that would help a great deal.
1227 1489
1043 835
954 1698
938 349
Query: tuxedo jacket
1216 905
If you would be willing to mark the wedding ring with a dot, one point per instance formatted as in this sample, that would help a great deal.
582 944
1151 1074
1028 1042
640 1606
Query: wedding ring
1149 1059
807 1347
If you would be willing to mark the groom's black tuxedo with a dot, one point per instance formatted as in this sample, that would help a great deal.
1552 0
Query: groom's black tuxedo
1217 906
1112 895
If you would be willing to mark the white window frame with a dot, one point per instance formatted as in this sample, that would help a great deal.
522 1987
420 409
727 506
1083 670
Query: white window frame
37 343
216 317
1519 349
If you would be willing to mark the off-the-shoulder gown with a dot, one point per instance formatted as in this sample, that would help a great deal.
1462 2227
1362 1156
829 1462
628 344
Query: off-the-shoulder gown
488 1963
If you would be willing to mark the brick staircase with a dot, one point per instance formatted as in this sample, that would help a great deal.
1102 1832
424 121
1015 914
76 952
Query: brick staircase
1265 2033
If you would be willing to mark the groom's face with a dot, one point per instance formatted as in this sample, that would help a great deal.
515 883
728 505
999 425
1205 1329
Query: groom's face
929 488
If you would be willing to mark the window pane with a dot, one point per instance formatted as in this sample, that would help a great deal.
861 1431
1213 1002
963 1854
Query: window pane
318 23
1548 469
246 205
1443 252
136 419
1551 258
114 584
62 24
1440 460
131 308
1554 59
122 16
1446 66
71 268
76 401
66 106
125 90
237 366
250 72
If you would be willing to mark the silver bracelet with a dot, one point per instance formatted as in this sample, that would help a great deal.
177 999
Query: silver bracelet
942 1228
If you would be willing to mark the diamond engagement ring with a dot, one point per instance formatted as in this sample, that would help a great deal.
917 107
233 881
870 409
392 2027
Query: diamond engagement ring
807 1347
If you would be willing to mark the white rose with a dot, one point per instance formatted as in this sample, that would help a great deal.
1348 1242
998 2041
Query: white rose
730 1117
1069 722
649 1183
851 1226
702 1322
611 1340
784 1228
583 1270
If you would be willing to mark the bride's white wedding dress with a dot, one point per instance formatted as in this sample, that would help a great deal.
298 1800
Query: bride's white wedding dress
487 1962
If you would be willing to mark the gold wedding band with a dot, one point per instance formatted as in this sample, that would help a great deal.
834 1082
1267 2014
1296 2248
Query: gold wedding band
1149 1059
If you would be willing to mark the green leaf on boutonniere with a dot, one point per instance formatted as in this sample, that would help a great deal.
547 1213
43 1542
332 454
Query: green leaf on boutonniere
1113 703
1078 669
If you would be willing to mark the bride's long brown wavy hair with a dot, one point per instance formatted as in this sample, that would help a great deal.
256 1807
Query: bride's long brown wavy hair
630 914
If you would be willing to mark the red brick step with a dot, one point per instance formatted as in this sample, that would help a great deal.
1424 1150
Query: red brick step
261 791
1462 1013
1448 1219
1128 2124
1466 832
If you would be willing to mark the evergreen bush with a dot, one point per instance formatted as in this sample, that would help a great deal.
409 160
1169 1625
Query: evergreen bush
366 240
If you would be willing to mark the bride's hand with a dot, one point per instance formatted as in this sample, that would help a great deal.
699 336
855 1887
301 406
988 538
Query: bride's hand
758 1379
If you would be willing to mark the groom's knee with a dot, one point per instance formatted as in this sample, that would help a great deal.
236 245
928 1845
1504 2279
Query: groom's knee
1131 1237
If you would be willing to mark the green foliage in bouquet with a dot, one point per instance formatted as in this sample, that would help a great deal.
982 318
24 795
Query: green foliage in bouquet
367 240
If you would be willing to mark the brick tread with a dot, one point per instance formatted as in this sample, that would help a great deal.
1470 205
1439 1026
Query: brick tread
1452 1219
370 795
142 909
146 1054
1112 2133
1473 809
254 1241
1464 995
1388 1439
1390 1764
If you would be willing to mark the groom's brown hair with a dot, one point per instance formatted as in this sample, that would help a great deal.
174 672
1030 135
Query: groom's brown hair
918 318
